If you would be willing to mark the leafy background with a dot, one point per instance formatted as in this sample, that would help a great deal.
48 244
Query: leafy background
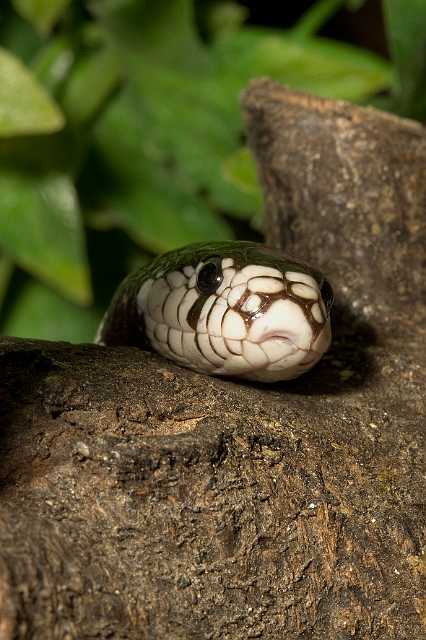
121 136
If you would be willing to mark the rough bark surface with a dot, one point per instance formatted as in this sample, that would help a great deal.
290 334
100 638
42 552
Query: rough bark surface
140 500
345 187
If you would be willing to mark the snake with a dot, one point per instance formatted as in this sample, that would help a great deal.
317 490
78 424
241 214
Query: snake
230 308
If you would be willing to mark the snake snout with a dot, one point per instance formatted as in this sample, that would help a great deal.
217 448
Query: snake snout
285 322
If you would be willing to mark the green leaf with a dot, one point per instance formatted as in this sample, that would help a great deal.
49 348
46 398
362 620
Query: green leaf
157 205
224 16
42 14
25 107
315 17
53 62
318 65
200 139
162 219
92 81
179 121
240 170
406 27
39 312
40 228
195 141
18 36
160 32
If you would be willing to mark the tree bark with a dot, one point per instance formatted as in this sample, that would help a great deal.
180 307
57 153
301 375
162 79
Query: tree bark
345 187
141 500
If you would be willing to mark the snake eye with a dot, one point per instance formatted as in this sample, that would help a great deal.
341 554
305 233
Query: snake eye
210 276
327 294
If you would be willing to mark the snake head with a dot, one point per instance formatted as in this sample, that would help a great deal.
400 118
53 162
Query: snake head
236 309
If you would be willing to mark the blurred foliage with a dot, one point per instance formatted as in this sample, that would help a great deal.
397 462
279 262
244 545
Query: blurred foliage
121 136
406 27
24 105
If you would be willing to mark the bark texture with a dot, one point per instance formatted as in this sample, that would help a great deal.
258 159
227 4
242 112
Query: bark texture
140 500
346 188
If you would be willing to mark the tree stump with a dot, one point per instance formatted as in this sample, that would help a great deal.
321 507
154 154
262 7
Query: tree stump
140 500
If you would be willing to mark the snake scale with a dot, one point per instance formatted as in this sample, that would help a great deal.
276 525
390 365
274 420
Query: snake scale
225 308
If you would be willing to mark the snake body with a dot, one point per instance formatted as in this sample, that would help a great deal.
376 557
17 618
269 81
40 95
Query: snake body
225 308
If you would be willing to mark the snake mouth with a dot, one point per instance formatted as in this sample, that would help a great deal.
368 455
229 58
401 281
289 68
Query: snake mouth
278 338
277 345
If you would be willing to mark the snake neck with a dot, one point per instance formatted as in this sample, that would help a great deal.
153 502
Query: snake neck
122 323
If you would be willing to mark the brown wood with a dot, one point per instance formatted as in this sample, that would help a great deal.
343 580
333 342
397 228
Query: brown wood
140 500
345 188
